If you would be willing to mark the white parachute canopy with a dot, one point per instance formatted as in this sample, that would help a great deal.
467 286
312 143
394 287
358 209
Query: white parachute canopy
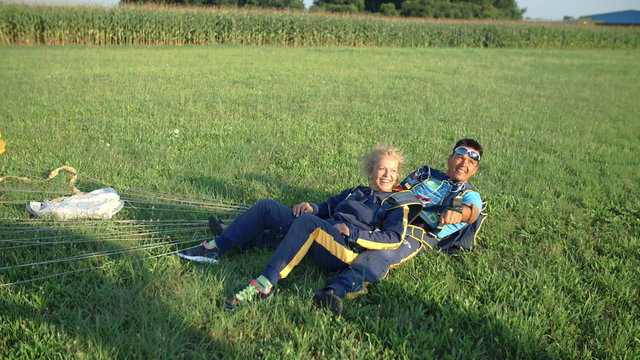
98 204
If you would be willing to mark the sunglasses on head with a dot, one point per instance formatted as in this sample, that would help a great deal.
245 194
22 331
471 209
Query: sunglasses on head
461 150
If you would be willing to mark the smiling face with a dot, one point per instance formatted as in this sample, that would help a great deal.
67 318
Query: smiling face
384 174
462 167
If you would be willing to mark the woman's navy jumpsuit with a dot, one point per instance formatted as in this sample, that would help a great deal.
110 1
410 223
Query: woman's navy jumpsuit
357 208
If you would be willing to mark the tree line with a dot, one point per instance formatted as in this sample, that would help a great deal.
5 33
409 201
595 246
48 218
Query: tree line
439 9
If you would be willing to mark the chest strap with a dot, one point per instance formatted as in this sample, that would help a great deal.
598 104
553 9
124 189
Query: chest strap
396 200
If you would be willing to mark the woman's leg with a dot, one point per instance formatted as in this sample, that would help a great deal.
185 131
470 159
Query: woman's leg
305 233
369 267
308 232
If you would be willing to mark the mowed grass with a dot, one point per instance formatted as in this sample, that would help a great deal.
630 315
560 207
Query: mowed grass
556 273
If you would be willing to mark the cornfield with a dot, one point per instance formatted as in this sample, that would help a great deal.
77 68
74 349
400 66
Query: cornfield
77 25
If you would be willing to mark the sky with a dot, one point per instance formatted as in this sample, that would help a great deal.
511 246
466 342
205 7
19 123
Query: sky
557 9
536 9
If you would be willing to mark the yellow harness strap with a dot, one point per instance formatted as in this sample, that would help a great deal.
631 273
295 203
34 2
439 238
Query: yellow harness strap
52 174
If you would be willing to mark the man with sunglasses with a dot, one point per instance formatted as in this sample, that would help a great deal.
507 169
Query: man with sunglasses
450 203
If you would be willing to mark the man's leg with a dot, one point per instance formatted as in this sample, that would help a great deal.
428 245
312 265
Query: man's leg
265 214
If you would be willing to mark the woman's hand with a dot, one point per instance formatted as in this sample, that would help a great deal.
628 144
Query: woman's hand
302 208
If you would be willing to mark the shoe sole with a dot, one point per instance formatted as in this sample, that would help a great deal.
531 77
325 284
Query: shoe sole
199 259
231 308
331 302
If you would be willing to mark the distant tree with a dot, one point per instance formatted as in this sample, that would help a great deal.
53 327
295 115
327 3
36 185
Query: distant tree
184 2
345 6
455 9
417 8
280 4
388 9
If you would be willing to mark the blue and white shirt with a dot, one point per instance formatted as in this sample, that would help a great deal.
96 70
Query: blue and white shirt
436 188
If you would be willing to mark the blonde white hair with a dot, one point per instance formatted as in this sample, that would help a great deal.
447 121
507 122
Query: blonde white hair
368 160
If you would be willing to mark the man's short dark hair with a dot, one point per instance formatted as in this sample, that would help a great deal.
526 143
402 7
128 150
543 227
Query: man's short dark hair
469 143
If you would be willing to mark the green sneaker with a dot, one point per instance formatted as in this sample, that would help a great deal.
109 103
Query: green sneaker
249 294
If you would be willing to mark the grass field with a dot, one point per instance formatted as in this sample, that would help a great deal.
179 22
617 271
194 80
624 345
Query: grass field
556 275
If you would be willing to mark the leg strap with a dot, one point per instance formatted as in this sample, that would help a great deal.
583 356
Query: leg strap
424 237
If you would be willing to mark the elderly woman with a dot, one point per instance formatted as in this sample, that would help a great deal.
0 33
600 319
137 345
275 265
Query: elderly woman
333 232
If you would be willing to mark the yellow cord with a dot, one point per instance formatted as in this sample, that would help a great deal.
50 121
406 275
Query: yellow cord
52 174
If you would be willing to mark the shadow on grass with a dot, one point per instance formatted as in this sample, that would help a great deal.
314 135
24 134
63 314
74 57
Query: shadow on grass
121 312
114 312
400 313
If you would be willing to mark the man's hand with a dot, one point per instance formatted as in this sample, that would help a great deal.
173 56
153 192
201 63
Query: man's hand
450 217
468 215
302 208
342 229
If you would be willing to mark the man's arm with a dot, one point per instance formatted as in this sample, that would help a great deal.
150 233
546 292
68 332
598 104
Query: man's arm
465 209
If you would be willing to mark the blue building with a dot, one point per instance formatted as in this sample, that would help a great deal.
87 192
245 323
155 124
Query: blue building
627 17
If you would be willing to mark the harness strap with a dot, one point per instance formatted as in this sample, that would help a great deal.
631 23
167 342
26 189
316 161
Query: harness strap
424 237
396 200
52 174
